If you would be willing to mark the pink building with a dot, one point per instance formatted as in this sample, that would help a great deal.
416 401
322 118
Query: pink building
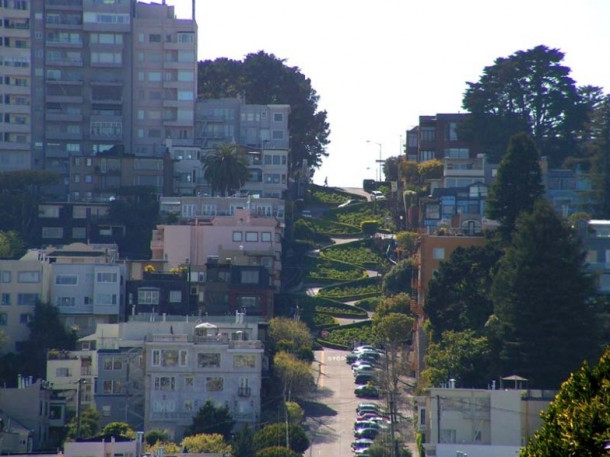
244 238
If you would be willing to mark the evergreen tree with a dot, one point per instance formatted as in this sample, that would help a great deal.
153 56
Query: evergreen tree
212 419
458 296
577 422
543 319
518 183
600 166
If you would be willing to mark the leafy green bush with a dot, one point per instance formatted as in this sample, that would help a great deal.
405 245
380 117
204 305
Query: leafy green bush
324 320
366 287
330 307
331 195
361 252
320 269
368 304
347 334
369 227
333 228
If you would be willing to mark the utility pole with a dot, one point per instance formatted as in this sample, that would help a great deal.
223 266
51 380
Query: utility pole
78 406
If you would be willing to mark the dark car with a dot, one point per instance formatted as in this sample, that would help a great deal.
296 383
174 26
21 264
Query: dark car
366 391
364 378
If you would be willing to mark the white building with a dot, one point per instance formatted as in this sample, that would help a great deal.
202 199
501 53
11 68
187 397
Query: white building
479 422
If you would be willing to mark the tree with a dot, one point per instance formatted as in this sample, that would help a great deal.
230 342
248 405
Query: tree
394 328
136 208
242 442
399 303
204 442
169 448
291 335
46 332
462 356
119 429
277 451
265 79
530 91
518 183
599 148
294 374
89 424
430 169
154 436
11 245
458 296
20 193
577 422
275 435
295 412
398 279
543 320
226 169
212 419
383 446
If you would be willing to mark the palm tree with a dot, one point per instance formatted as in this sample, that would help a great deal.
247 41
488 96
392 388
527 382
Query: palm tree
226 169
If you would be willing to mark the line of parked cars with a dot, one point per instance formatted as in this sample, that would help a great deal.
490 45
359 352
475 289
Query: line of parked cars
370 417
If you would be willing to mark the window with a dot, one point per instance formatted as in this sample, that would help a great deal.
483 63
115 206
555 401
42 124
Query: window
154 38
167 383
106 277
244 361
3 319
249 276
5 299
148 296
189 383
214 384
111 387
63 372
278 117
113 363
28 277
208 360
52 232
175 296
438 253
266 237
25 318
65 301
106 299
277 134
5 276
70 280
27 299
252 236
237 236
154 76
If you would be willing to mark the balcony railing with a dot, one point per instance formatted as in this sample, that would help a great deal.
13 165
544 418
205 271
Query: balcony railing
244 391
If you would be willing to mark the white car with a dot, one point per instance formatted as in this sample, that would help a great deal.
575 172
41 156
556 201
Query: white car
377 195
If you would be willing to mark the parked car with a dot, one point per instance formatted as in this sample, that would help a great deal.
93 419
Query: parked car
370 356
365 423
358 364
366 391
364 378
370 433
367 406
371 415
364 369
351 358
362 443
377 195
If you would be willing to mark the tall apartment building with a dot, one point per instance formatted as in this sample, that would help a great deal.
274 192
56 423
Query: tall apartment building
260 130
81 76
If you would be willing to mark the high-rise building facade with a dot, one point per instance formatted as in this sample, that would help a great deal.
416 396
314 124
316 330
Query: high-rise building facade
82 76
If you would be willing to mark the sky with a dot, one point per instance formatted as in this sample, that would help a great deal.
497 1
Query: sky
379 65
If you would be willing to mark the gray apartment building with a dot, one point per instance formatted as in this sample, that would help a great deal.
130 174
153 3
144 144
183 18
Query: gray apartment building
82 76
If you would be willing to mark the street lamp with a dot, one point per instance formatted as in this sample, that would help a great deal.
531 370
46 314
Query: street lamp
380 161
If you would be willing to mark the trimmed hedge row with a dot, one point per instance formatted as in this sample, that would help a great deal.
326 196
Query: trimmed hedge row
330 345
331 307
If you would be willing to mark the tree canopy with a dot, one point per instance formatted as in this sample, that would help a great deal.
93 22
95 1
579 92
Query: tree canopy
226 169
206 442
458 297
518 183
543 320
529 91
275 435
577 422
265 79
212 419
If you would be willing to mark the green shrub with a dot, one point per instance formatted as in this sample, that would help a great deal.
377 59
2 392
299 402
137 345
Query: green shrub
369 227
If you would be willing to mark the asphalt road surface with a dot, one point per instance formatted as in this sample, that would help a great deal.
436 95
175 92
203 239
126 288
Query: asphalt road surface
331 410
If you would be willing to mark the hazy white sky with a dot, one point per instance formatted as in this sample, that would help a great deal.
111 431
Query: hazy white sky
378 65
